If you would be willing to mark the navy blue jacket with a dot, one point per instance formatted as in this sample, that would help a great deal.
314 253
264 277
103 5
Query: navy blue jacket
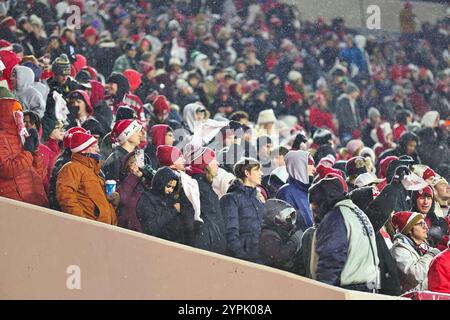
296 194
332 247
243 213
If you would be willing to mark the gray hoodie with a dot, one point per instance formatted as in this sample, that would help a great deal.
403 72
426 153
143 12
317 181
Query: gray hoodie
26 93
297 165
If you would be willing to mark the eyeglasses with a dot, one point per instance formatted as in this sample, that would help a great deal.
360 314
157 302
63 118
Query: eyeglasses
423 224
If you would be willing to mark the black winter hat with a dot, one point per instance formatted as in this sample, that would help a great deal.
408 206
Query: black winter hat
125 112
322 136
325 194
94 127
356 166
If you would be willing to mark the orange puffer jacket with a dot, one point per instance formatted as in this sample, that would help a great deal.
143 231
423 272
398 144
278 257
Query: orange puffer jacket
21 171
81 191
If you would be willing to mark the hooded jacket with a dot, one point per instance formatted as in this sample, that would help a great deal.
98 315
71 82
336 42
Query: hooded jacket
278 246
29 97
401 148
243 214
21 172
158 134
81 191
438 226
156 211
295 192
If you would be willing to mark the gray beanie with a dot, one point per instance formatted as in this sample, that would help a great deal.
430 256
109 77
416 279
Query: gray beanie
373 113
351 87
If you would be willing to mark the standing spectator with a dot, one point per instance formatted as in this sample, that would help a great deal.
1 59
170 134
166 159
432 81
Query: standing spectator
423 201
80 190
157 209
127 60
301 168
372 123
22 79
211 233
320 116
127 134
347 115
406 146
345 239
60 161
280 240
243 211
161 134
21 162
411 250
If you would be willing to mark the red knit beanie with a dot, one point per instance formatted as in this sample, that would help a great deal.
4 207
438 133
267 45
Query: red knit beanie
80 141
404 221
68 135
124 129
134 78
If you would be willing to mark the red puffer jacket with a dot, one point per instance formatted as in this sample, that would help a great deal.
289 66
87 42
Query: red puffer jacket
439 273
21 171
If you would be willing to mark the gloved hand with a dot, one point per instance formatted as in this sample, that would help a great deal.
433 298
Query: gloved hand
297 238
31 143
435 233
434 251
400 173
148 171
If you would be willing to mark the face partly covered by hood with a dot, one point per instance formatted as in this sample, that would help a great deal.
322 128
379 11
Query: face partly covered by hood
24 77
297 165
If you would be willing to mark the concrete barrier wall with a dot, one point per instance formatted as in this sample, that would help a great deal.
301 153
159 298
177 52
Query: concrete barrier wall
355 11
38 245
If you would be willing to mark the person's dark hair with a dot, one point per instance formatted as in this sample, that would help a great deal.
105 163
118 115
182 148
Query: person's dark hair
299 139
280 151
245 164
262 141
239 115
402 115
159 64
34 118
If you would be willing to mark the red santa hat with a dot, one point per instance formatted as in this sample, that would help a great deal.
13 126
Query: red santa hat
80 141
160 105
8 22
427 174
167 155
124 129
68 135
5 45
404 221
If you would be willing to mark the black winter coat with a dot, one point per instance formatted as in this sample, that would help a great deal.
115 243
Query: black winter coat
65 157
113 164
243 213
211 234
156 211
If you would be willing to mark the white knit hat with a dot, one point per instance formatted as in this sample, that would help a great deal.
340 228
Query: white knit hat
266 116
294 76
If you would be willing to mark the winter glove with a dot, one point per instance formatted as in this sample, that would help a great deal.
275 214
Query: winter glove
434 251
31 143
400 173
297 238
435 233
114 199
